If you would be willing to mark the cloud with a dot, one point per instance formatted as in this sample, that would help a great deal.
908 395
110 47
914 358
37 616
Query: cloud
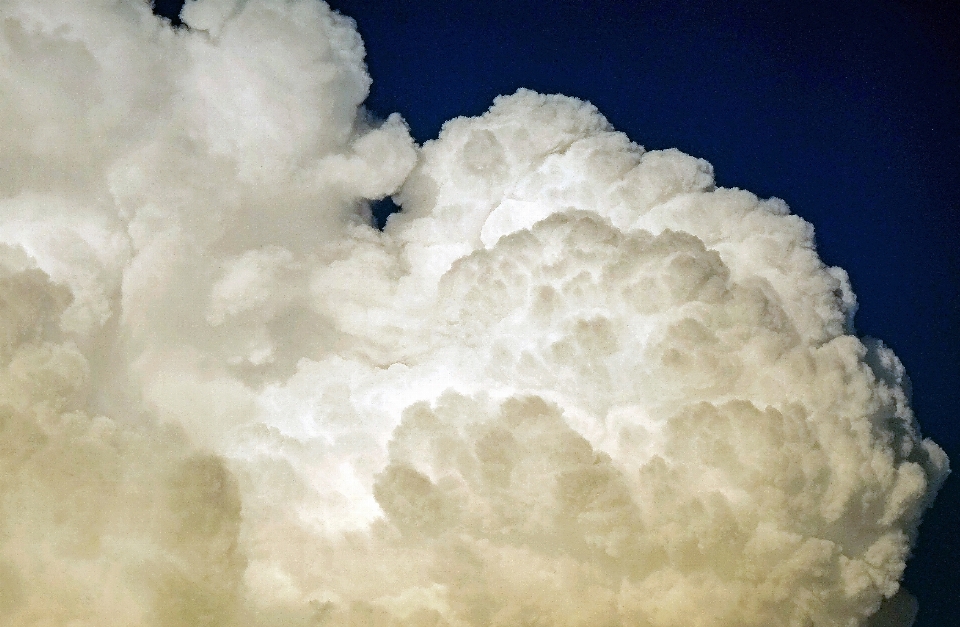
573 382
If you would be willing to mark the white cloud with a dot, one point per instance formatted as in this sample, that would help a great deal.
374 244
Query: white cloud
572 382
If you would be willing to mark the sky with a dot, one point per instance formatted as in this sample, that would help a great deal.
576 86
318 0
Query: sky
573 381
846 110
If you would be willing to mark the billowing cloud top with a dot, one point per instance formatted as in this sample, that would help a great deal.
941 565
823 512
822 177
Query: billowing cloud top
572 383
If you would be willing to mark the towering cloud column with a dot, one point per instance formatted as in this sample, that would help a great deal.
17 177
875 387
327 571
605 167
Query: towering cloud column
572 383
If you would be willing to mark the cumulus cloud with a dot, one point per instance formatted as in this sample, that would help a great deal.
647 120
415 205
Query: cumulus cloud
571 383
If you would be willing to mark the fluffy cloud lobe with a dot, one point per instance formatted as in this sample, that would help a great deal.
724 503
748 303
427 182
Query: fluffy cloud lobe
573 383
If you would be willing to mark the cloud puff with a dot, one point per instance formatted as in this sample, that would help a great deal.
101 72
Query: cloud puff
573 382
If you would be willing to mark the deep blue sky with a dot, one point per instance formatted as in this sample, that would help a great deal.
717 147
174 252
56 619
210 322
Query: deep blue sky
847 109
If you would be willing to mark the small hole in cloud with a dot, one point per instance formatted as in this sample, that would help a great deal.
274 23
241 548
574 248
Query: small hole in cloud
381 210
169 9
